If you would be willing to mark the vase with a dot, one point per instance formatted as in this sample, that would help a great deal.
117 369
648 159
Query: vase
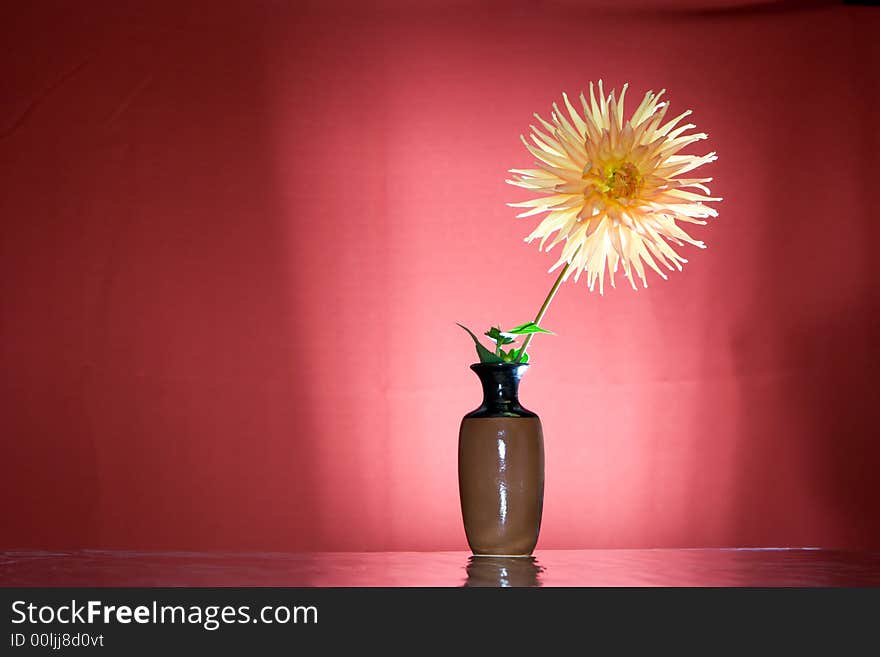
501 467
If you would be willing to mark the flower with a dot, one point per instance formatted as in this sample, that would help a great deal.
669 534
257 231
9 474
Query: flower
612 187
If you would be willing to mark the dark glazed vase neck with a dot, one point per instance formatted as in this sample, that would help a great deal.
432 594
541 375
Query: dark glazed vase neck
500 383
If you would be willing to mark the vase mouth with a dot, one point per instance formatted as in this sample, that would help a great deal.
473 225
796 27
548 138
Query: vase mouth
498 367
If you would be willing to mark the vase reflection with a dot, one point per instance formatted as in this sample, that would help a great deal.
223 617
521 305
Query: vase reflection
503 571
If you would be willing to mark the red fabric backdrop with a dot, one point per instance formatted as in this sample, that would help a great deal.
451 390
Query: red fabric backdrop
237 235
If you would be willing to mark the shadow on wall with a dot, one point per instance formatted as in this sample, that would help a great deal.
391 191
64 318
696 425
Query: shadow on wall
812 364
150 394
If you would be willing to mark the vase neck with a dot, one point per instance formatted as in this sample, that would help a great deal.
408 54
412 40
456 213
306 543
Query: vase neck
500 382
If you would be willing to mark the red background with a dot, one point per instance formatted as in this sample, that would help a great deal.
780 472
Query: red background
236 237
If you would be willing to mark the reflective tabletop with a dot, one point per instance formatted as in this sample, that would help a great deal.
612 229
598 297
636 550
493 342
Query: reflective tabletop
662 567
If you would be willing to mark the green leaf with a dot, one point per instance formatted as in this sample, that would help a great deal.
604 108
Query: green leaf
484 354
498 336
529 327
516 356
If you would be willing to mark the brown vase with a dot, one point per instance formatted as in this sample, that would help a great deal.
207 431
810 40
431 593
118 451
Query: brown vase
501 467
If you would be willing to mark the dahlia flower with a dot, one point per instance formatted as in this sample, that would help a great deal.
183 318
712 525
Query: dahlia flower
613 188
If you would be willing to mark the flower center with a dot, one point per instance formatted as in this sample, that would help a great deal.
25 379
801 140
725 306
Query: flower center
623 181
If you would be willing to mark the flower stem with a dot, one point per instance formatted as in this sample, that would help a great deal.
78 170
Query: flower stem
543 310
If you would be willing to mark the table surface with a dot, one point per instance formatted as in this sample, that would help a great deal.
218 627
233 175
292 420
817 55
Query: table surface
662 567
